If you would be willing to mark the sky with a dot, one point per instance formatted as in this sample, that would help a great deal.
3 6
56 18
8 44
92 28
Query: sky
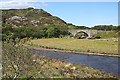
78 13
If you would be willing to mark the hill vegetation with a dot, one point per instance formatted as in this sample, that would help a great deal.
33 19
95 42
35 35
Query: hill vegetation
31 32
29 17
35 23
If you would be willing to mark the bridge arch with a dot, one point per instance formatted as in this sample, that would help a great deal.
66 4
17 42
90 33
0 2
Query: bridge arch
81 35
89 33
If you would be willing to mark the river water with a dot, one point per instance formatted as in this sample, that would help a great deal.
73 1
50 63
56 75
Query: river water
105 63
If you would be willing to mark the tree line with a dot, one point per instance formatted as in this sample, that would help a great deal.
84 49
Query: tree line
97 27
105 27
34 32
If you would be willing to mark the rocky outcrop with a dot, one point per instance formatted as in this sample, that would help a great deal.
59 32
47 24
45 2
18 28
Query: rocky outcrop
29 17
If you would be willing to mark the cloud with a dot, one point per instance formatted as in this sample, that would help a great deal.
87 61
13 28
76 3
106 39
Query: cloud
20 4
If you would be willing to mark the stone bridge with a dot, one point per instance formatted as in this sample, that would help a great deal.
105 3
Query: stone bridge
89 33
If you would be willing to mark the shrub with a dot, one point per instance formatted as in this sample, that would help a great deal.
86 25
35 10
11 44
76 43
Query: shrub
97 37
14 58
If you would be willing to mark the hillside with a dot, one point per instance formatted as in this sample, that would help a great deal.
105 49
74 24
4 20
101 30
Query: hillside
29 17
30 22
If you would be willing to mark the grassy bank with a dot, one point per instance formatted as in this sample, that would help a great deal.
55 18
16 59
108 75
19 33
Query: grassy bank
20 63
111 34
106 46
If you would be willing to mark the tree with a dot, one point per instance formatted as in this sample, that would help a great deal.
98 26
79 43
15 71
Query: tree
50 32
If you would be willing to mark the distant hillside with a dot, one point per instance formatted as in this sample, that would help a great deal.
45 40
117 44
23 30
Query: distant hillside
29 17
32 23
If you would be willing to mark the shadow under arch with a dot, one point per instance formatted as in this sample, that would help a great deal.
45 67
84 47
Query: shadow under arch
81 35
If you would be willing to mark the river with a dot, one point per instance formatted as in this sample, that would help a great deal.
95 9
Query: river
105 63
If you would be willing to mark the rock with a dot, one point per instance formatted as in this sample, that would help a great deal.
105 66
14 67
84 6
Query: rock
73 68
68 65
34 60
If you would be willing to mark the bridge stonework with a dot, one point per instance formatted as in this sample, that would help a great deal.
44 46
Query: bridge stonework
90 33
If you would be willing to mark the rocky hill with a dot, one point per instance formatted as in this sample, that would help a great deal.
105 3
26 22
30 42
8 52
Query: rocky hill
29 17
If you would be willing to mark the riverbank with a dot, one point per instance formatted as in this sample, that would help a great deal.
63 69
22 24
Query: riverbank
104 47
68 51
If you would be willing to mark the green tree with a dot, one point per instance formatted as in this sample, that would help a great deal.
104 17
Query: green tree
50 32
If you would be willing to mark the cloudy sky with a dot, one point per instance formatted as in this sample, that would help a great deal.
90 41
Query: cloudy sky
18 4
6 4
79 12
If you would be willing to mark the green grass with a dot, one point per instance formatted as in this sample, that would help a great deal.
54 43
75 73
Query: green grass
111 34
107 46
